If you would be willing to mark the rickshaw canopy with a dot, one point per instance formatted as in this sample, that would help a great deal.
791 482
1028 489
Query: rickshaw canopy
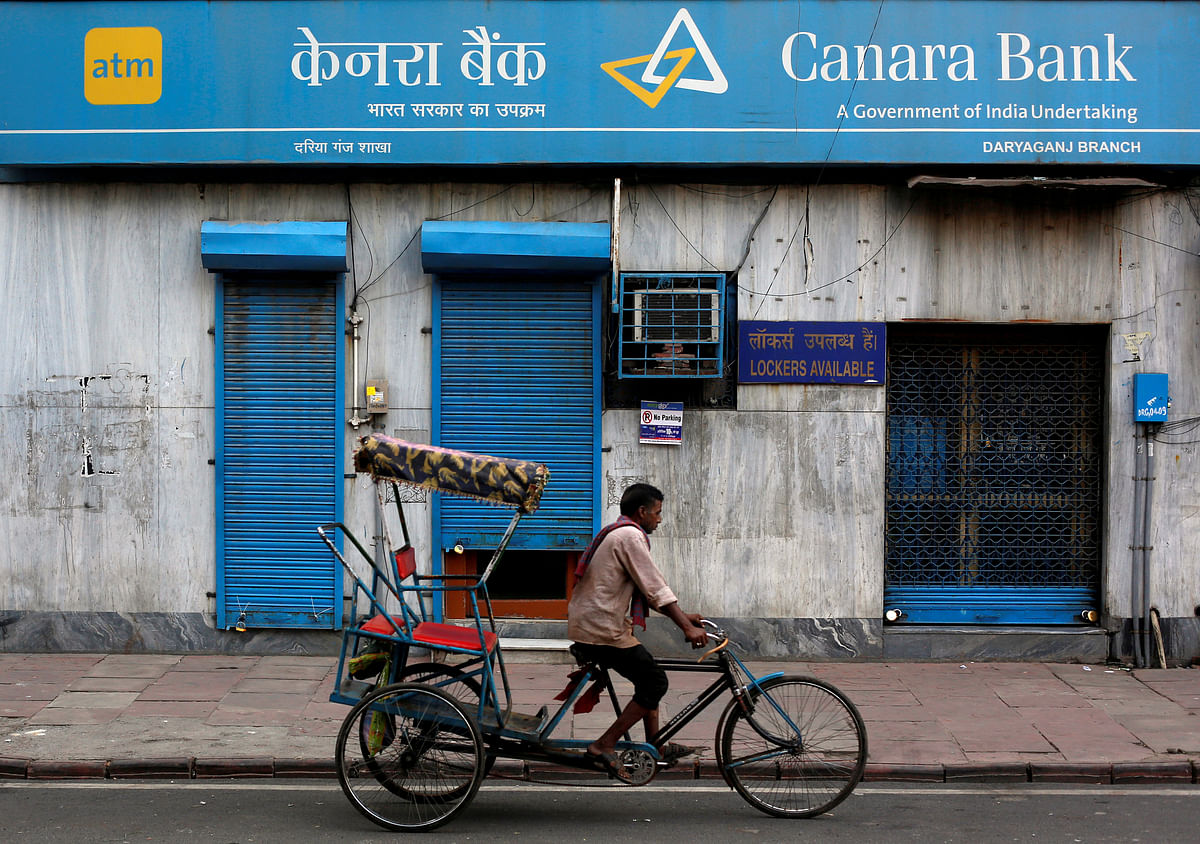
497 480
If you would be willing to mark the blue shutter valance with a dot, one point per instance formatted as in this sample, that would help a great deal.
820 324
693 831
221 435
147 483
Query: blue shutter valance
297 246
449 246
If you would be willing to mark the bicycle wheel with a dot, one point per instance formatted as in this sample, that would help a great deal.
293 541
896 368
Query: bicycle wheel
800 752
422 763
377 727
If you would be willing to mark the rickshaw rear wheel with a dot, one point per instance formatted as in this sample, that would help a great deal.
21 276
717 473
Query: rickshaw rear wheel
422 763
450 679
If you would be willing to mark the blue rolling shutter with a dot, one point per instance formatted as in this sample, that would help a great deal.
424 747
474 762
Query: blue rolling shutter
995 474
516 374
279 446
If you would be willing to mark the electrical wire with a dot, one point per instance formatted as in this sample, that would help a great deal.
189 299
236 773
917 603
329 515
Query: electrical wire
1177 427
417 232
848 276
370 252
842 114
1152 240
1136 314
654 193
709 192
383 272
754 229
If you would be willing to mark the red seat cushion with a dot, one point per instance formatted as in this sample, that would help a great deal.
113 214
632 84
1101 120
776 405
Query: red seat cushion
380 625
453 636
435 634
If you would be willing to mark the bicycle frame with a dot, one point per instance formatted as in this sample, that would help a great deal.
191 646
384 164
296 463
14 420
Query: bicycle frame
729 667
538 742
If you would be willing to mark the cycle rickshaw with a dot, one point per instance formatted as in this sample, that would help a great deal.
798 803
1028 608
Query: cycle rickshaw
421 736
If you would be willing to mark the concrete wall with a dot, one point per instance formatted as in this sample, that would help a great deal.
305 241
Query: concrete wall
775 510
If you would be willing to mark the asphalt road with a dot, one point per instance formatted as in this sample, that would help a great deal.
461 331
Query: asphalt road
245 811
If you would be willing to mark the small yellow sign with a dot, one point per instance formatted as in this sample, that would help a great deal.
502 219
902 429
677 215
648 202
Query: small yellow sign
122 65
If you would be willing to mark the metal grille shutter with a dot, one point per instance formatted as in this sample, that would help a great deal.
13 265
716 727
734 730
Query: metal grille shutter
516 375
279 440
994 477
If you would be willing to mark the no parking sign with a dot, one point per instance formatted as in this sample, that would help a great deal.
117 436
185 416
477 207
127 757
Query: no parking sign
662 423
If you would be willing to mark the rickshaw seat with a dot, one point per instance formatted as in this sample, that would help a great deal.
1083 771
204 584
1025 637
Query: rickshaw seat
435 634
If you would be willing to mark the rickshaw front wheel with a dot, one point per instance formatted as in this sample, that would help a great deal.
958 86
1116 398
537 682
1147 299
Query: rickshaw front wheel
420 763
799 752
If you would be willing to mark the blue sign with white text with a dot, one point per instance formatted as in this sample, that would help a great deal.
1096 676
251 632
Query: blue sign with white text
811 352
1151 400
463 82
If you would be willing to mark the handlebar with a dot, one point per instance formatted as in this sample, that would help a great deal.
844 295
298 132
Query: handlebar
716 634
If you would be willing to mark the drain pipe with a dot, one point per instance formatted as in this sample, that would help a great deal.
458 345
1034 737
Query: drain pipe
1135 591
615 247
1147 547
355 322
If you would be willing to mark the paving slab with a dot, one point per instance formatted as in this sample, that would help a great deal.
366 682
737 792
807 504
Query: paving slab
90 683
21 709
1184 695
975 735
67 715
908 731
191 684
93 700
216 662
915 752
131 668
260 685
31 691
182 709
287 668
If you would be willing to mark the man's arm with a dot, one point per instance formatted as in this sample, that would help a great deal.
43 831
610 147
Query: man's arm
689 623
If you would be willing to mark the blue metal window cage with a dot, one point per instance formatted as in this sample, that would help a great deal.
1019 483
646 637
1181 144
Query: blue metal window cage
672 325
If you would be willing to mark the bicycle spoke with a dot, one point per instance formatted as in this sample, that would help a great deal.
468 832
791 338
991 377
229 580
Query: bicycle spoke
799 753
410 757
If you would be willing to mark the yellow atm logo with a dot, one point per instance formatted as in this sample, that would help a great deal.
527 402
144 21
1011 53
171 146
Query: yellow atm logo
122 65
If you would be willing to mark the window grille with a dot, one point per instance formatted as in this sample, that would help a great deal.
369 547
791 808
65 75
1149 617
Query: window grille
672 326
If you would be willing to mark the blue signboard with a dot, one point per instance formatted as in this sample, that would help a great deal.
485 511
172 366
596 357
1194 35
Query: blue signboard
599 81
1150 397
811 352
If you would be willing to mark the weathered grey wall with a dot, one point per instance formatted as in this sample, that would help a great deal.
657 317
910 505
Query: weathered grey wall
106 399
776 510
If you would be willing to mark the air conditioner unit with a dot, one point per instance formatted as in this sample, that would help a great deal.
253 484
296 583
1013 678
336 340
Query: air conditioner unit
679 315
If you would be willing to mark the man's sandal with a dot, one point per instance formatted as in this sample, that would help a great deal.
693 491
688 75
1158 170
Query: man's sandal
609 763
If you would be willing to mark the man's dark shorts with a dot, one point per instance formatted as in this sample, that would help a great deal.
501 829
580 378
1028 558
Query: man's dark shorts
635 664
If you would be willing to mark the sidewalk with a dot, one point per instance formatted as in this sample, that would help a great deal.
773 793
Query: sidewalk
67 716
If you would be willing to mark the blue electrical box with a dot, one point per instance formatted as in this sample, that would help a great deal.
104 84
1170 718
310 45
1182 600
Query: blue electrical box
1150 397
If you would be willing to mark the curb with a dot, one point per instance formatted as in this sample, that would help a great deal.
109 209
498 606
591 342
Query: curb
190 767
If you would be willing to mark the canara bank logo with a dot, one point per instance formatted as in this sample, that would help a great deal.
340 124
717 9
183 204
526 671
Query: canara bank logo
659 71
122 65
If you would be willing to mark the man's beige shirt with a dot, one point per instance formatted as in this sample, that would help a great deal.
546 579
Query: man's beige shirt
598 613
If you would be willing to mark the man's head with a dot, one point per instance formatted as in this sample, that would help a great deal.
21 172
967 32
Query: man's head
643 504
